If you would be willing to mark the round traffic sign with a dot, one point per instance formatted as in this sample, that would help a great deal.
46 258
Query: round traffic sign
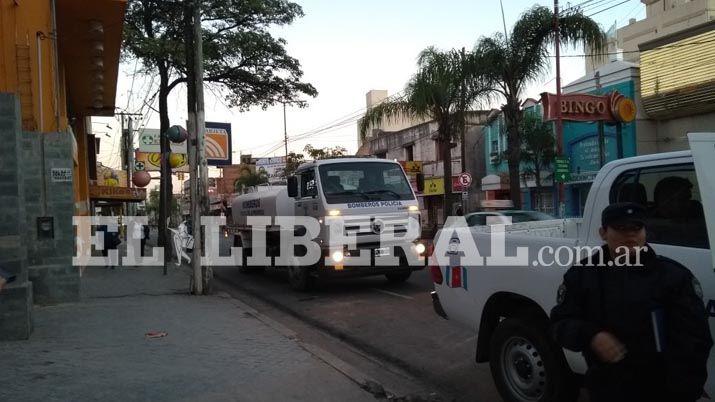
465 179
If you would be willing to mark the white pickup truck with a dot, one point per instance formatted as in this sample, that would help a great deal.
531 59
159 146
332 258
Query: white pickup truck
508 306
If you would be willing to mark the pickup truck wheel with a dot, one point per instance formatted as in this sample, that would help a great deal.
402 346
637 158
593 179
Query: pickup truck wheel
527 366
300 278
397 277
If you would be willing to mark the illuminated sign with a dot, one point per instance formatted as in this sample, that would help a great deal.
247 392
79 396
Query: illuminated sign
151 162
614 107
217 143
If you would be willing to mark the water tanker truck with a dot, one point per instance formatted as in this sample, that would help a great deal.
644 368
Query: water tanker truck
366 221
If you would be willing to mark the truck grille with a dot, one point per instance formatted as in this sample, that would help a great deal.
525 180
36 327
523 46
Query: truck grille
365 225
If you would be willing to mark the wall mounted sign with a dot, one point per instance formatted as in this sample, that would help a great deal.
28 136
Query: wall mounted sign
613 108
61 175
106 193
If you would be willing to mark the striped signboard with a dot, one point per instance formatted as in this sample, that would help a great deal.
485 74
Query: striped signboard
217 143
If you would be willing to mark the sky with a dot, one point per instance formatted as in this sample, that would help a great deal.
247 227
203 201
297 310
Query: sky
347 48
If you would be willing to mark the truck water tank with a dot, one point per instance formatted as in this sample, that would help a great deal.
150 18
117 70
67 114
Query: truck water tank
267 201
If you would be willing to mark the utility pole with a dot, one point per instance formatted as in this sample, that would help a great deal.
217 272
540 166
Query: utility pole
165 197
201 150
197 160
197 281
285 130
601 134
559 123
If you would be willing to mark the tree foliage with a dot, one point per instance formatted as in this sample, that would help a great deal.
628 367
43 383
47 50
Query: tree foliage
442 89
325 153
241 56
152 208
538 146
510 64
250 180
294 159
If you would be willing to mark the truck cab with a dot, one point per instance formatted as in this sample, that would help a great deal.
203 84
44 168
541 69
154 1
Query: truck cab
375 204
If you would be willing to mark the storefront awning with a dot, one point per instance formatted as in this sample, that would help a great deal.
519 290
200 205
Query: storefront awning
90 37
494 182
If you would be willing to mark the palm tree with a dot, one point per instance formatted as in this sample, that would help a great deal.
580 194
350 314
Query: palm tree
441 90
511 63
537 148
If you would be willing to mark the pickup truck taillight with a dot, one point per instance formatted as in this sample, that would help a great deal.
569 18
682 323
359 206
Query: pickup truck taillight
436 274
434 270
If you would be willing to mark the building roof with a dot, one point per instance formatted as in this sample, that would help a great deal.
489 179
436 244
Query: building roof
616 71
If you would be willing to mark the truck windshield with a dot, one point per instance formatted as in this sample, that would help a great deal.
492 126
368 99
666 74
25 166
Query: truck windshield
364 181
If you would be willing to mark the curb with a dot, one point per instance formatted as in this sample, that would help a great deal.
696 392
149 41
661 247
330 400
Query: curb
343 336
352 373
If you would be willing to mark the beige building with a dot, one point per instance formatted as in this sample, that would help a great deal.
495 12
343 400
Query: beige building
375 97
672 52
663 18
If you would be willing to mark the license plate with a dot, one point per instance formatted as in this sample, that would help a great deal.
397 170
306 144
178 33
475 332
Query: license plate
382 251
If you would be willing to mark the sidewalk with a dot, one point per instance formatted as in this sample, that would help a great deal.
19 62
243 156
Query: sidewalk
216 348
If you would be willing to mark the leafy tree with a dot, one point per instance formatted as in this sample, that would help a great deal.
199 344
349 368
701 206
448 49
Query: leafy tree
538 146
250 180
152 208
294 160
241 56
324 153
512 63
441 90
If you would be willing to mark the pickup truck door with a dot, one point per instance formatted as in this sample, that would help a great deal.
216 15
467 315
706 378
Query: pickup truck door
702 146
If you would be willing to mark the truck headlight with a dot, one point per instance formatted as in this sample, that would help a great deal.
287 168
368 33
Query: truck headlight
420 248
338 256
413 208
334 212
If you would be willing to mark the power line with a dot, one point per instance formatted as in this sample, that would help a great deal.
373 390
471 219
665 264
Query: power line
608 8
638 51
333 125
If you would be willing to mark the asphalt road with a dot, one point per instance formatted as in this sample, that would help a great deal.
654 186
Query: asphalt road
392 322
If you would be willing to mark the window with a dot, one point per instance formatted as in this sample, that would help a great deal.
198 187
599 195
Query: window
410 153
671 197
438 150
364 181
307 184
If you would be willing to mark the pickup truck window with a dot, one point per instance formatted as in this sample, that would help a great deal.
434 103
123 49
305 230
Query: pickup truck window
671 197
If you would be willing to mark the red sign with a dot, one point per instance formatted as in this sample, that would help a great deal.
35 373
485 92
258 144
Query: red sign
457 184
613 107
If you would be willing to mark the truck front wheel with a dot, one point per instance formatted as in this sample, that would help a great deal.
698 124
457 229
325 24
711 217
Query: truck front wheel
300 278
527 366
397 277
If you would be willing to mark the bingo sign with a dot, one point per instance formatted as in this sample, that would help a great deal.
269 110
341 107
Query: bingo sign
217 143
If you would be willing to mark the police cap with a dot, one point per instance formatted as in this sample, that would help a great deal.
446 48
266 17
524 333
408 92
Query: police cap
623 213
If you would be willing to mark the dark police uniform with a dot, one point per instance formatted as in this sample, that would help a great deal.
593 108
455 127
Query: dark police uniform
655 310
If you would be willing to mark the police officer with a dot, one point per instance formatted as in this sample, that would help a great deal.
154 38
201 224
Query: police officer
638 318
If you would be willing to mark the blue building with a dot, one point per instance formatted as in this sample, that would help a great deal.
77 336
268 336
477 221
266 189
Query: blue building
581 143
580 140
495 185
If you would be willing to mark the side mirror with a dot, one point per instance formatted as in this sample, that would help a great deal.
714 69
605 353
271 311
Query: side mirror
292 186
420 182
